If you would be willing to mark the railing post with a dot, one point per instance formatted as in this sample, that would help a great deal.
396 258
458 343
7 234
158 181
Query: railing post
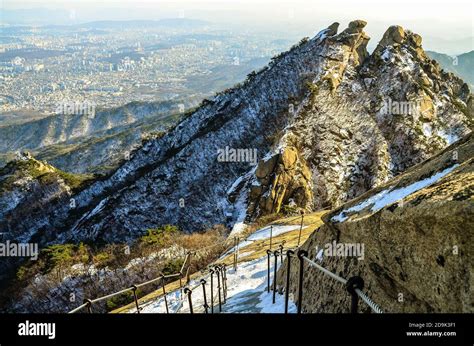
281 252
289 253
89 305
275 253
188 270
206 307
268 270
189 292
181 285
164 292
235 253
271 236
212 290
221 269
134 290
219 286
351 285
301 227
301 254
187 276
224 278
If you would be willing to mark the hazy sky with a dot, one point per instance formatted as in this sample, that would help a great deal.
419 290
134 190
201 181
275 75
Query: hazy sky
451 19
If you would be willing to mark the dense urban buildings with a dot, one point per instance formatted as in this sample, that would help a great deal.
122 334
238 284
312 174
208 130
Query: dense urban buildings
42 67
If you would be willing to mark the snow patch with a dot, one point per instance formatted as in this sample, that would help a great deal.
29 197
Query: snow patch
234 185
241 208
321 35
448 137
246 293
389 196
427 130
319 255
387 56
264 233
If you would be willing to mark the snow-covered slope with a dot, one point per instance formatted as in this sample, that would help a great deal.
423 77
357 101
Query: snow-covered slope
97 141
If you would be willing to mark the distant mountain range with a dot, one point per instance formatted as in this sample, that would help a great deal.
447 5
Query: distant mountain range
35 16
57 17
462 65
132 24
79 143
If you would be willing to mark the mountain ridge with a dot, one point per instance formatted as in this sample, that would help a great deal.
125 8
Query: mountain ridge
461 64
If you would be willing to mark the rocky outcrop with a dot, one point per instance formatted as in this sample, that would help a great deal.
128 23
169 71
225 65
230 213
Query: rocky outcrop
368 120
415 234
29 188
280 179
357 40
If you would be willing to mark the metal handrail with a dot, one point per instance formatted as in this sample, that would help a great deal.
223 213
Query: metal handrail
133 288
325 271
354 285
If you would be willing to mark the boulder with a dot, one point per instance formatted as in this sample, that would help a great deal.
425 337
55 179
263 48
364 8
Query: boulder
266 167
426 108
356 26
284 177
395 35
416 40
332 29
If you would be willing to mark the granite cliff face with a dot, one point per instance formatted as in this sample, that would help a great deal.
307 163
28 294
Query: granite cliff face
416 232
328 122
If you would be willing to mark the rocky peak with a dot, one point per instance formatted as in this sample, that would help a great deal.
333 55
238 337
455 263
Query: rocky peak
397 38
394 35
332 29
357 40
352 131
